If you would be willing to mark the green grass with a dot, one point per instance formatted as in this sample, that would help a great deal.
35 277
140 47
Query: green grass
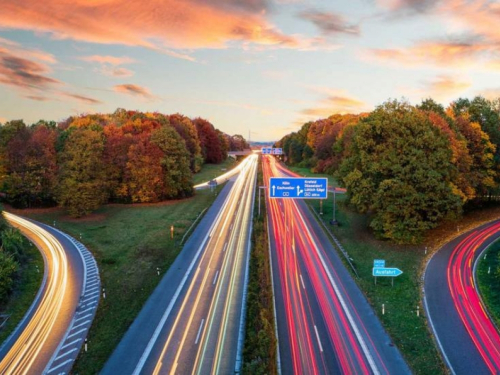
25 289
489 282
408 332
129 243
209 171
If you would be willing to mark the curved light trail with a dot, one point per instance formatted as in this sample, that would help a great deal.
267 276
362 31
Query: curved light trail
24 353
325 334
472 312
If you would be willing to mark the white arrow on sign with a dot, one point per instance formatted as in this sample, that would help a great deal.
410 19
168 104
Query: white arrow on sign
299 191
274 188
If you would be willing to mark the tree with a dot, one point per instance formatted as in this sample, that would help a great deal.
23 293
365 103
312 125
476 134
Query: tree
175 162
399 169
82 180
210 142
187 130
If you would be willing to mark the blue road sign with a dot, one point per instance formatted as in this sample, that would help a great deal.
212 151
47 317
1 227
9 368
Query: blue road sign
298 187
379 263
392 272
266 150
277 151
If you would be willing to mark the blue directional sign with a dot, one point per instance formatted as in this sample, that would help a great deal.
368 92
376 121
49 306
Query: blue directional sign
381 271
379 263
266 150
298 187
277 151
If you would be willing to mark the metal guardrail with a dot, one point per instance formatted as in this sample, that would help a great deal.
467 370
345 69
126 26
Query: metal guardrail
192 225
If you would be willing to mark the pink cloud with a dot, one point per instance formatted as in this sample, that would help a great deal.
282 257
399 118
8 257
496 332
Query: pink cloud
154 24
135 90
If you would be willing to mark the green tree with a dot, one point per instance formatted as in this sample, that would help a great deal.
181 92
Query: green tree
8 269
82 179
175 162
399 169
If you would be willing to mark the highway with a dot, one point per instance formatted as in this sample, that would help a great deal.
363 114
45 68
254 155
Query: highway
469 341
325 325
194 320
44 341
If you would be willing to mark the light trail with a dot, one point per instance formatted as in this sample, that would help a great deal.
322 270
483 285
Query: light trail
460 277
21 357
214 294
300 255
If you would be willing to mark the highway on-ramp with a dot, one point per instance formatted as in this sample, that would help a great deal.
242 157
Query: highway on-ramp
325 324
468 339
53 330
194 320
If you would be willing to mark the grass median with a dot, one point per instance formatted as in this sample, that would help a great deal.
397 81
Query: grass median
131 244
488 279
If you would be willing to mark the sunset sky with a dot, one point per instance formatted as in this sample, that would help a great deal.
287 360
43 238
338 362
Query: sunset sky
246 65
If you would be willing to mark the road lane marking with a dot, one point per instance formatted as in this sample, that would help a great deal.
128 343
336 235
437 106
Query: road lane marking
78 332
317 337
59 366
225 247
199 331
215 278
65 354
70 343
302 281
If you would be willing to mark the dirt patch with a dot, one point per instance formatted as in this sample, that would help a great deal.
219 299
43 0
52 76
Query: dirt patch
84 219
29 211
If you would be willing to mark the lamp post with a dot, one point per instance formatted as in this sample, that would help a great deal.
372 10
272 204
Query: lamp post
334 220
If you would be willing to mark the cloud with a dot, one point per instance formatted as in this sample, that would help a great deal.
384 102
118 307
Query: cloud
3 120
329 23
444 87
81 98
334 101
38 98
408 6
24 74
491 94
468 51
153 24
109 65
134 90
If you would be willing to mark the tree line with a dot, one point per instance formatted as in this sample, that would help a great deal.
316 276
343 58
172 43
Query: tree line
408 167
89 160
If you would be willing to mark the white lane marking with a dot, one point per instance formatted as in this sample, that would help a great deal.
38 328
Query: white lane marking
90 308
60 365
77 332
70 343
83 317
82 324
317 337
215 278
302 281
199 331
65 354
225 247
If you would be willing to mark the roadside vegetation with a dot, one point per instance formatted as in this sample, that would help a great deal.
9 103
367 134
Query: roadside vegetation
488 279
131 244
21 273
209 171
259 352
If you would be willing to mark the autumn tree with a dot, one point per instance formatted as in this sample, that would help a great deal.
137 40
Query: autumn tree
399 170
210 142
82 183
175 162
187 130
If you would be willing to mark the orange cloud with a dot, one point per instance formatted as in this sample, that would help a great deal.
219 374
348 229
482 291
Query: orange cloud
444 87
330 23
135 90
154 24
491 94
334 102
81 98
110 65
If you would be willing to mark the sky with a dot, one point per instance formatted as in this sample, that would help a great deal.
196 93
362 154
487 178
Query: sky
259 68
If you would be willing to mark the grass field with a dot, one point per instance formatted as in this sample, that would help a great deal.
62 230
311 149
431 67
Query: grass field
129 243
209 171
488 279
409 332
25 289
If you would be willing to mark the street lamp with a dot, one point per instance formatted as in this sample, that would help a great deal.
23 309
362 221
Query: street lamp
334 220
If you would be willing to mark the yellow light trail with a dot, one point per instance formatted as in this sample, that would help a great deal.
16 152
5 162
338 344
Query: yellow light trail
20 358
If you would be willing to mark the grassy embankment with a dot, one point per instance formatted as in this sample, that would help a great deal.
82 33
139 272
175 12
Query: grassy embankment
129 243
489 282
26 287
209 171
409 332
259 352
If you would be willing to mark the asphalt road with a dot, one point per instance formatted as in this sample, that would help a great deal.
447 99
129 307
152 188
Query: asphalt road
193 321
46 340
325 325
467 338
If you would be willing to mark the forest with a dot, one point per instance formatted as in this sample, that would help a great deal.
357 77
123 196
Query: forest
86 161
408 167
